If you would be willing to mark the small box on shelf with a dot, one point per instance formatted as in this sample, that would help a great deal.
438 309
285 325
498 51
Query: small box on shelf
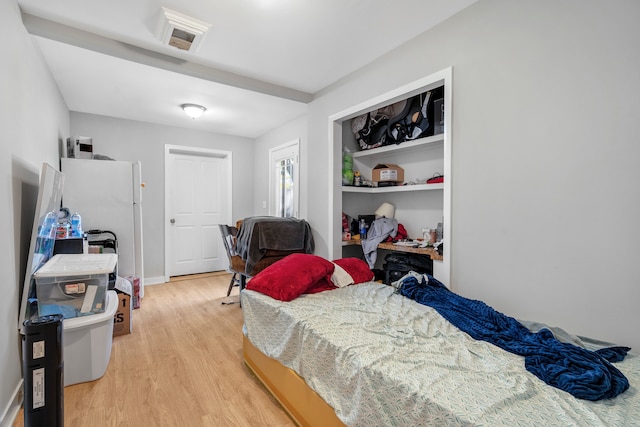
387 172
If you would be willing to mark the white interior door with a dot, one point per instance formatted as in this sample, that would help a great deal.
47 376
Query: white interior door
198 199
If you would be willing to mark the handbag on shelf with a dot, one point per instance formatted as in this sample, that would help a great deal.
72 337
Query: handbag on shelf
437 178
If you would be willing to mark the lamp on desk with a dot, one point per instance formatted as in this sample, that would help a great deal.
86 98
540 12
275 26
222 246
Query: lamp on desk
386 210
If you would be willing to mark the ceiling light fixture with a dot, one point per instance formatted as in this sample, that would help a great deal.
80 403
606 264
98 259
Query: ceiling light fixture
193 110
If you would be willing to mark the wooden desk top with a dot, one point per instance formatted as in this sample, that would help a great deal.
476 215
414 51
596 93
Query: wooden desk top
388 246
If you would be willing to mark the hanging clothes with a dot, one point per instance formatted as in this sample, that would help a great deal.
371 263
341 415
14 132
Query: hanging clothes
380 230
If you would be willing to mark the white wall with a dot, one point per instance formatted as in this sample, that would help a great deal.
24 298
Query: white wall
545 179
295 129
131 140
33 120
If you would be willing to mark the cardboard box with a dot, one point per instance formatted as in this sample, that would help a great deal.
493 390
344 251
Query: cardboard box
387 172
135 292
122 323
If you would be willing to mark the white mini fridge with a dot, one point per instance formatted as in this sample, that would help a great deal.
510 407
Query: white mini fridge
108 196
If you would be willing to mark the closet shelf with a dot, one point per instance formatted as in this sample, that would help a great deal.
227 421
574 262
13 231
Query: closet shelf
392 189
404 146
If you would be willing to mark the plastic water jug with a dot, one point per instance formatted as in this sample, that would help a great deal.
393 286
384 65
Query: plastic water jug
76 225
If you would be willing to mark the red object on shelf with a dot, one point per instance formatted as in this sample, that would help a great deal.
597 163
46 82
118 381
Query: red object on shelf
436 179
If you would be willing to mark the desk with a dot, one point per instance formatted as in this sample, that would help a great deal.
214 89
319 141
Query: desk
388 246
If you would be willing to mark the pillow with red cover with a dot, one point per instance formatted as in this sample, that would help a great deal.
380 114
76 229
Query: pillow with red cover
324 284
357 268
293 276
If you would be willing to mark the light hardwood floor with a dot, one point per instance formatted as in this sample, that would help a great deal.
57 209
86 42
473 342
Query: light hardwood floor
181 366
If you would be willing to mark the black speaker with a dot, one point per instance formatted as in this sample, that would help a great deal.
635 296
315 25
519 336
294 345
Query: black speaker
43 372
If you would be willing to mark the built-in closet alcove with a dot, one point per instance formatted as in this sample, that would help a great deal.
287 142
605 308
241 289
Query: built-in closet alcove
418 205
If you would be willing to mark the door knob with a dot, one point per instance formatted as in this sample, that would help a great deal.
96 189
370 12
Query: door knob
172 220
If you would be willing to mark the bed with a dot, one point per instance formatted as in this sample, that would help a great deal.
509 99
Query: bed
364 355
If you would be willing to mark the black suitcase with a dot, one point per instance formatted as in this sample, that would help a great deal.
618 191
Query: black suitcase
397 264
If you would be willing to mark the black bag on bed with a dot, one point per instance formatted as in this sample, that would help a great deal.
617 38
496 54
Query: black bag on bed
397 264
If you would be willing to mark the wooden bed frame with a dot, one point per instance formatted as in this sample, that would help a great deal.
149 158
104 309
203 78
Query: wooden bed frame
305 407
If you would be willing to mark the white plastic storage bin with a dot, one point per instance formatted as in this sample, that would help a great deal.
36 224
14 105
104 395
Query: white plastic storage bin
87 343
74 284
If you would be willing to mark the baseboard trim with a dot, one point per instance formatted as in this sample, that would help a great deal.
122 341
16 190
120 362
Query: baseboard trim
12 410
154 280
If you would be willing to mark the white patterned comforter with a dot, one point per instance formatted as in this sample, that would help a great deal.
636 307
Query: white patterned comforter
380 359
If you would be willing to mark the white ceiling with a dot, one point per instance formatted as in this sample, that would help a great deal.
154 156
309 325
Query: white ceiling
255 69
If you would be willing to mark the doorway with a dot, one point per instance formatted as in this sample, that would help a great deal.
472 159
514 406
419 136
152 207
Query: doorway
284 182
198 197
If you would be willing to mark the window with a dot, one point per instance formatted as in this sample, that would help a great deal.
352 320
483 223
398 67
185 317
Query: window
284 173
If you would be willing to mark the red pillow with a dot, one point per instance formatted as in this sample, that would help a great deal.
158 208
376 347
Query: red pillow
324 284
292 276
358 269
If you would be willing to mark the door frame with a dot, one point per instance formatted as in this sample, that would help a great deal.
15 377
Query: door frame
170 149
296 175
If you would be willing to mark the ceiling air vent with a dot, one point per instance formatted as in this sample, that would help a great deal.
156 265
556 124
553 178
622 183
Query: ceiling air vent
181 31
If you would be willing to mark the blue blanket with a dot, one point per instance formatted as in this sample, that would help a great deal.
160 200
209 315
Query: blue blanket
583 373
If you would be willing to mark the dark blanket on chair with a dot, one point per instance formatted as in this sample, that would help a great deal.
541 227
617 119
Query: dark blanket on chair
260 234
583 373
